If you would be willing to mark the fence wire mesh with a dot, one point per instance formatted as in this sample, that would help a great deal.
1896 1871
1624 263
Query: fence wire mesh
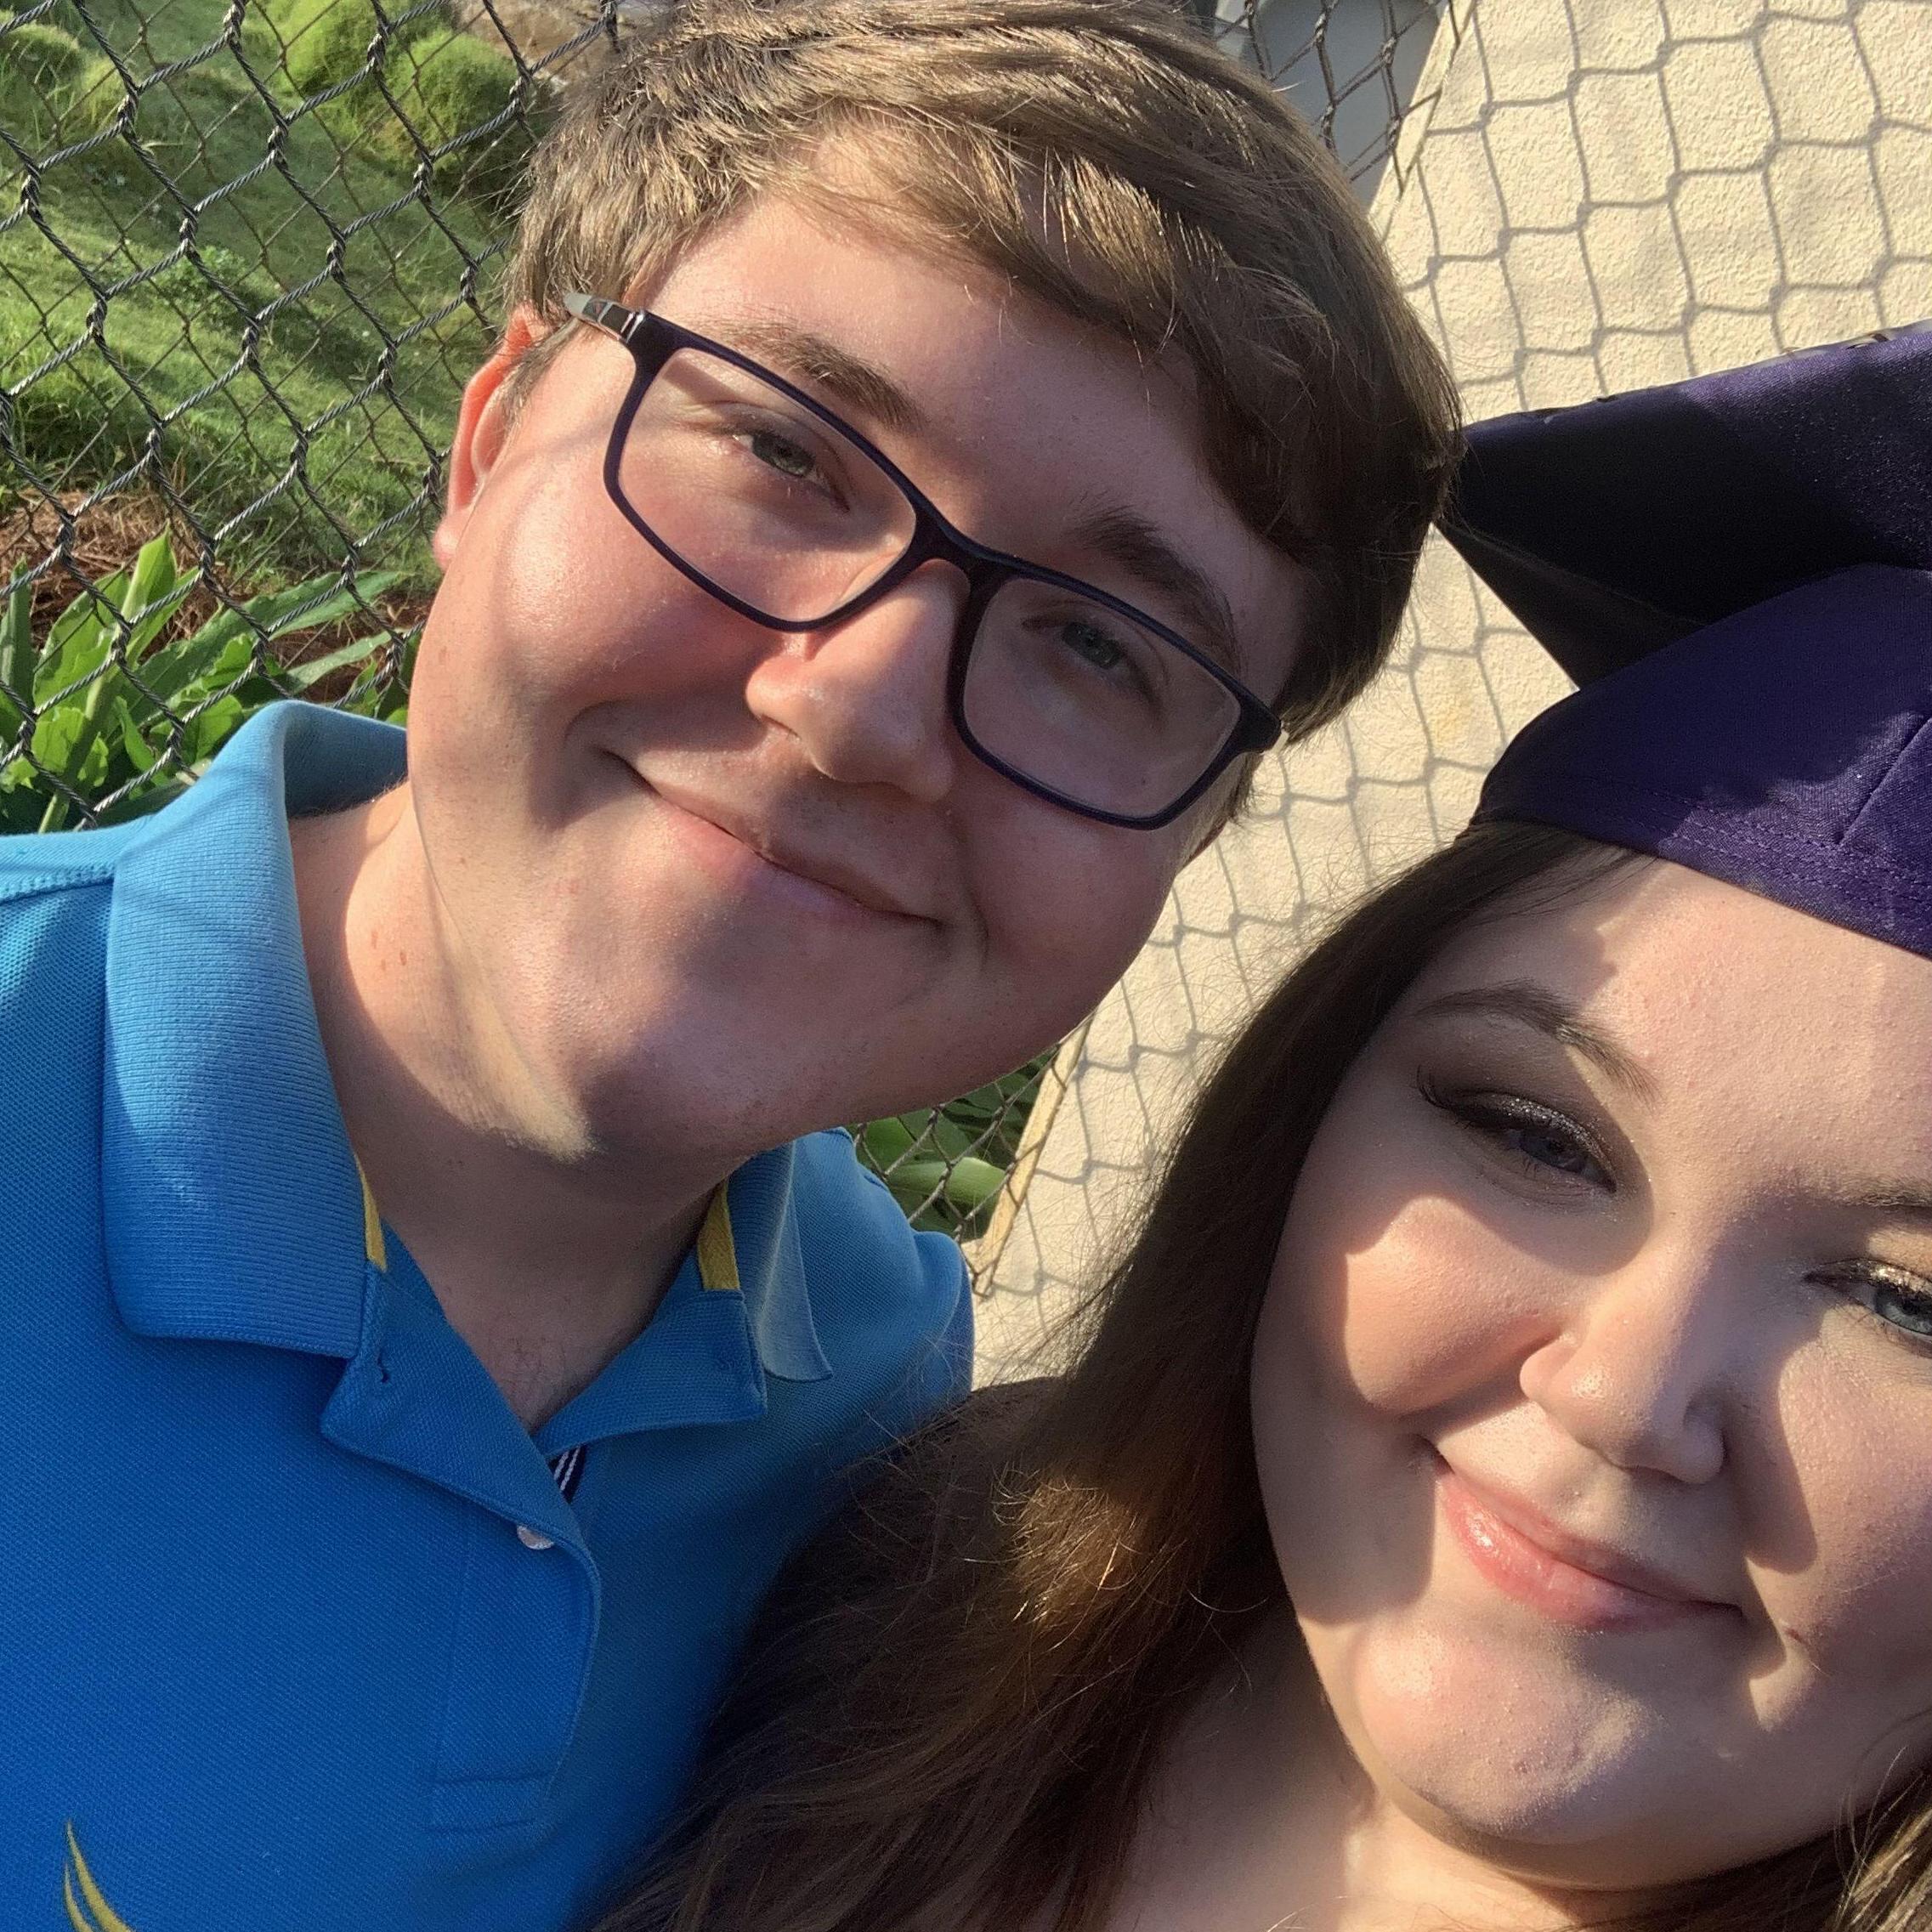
248 253
1605 195
1351 66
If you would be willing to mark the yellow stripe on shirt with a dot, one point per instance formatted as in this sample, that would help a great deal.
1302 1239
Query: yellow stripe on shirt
99 1915
375 1249
717 1252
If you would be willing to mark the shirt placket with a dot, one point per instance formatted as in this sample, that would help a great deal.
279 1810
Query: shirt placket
523 1631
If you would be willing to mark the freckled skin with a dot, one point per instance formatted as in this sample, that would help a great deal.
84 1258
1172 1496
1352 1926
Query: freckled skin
1666 1353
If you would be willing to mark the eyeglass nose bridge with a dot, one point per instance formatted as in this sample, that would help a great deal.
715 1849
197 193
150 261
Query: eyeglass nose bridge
934 541
986 573
652 341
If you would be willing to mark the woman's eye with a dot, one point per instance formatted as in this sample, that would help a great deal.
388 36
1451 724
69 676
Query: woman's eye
1902 1302
1910 1309
1536 1139
1543 1147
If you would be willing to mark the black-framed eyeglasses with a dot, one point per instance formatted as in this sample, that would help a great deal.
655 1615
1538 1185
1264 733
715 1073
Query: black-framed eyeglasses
761 496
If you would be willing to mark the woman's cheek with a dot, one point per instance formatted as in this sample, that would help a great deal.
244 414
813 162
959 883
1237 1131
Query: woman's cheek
1436 1307
1839 1509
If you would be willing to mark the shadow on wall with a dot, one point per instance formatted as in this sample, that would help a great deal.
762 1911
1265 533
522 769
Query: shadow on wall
1605 195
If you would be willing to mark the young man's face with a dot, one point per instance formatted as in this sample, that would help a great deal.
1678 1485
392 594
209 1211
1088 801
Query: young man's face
752 880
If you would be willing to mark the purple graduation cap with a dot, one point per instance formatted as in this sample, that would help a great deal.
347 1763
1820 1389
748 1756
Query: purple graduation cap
1737 570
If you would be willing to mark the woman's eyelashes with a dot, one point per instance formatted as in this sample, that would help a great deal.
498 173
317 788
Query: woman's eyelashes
1535 1142
1900 1302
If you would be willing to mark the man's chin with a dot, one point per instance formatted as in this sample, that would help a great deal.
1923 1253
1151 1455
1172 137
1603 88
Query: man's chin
719 1106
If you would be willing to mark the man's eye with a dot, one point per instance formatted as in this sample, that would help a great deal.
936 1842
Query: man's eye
782 454
1094 645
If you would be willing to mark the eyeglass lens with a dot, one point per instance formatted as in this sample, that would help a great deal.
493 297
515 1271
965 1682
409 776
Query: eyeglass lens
774 506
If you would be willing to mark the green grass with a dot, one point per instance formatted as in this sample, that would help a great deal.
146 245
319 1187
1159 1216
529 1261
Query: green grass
49 80
290 426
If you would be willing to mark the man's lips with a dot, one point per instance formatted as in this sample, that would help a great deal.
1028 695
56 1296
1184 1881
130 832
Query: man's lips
863 888
1568 1577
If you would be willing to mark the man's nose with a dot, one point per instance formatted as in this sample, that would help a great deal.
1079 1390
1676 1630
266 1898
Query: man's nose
1644 1368
866 698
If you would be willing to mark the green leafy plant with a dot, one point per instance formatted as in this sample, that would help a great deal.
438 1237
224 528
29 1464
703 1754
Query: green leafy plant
945 1165
119 717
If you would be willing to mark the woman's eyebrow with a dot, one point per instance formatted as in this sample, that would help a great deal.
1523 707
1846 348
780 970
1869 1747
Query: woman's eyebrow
1526 1004
1905 1199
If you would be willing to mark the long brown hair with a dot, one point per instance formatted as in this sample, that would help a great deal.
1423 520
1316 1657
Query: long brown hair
953 1719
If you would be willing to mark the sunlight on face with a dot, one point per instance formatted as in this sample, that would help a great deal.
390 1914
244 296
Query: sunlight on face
696 868
1593 1388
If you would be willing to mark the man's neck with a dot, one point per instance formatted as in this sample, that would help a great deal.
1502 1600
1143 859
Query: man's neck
547 1257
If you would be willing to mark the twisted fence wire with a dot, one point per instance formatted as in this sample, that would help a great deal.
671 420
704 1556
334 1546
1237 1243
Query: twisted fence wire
1611 193
1351 66
247 257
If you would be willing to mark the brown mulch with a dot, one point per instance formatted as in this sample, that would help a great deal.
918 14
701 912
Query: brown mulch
108 536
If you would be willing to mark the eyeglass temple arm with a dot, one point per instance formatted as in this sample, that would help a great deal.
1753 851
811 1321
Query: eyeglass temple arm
612 317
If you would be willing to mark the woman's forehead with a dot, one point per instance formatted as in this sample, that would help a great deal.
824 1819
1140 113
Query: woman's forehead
1709 990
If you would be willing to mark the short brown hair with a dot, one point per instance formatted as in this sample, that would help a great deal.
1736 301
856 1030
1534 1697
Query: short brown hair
1111 162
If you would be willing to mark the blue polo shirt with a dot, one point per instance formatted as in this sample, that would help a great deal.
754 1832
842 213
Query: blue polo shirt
298 1628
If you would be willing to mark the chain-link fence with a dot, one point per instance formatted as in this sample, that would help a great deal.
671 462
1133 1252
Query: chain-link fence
1602 195
248 253
1351 66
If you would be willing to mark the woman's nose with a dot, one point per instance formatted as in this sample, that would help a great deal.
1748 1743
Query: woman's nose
866 698
1642 1370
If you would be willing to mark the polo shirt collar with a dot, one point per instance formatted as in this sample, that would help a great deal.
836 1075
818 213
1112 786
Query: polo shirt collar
221 1141
761 1231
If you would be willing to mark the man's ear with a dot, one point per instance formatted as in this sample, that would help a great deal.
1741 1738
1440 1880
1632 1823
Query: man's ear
483 426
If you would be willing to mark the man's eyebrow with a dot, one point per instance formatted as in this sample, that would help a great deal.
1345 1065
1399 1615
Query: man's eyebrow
1122 536
1125 537
818 362
1537 1007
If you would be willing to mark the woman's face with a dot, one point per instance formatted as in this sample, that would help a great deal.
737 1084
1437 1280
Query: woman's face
1593 1392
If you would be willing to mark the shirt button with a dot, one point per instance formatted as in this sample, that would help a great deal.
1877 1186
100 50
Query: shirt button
534 1538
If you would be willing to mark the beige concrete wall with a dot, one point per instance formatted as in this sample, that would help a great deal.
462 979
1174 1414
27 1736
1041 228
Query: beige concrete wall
1607 194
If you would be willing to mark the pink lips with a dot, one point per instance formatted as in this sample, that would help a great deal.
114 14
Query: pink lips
822 883
1572 1582
724 852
